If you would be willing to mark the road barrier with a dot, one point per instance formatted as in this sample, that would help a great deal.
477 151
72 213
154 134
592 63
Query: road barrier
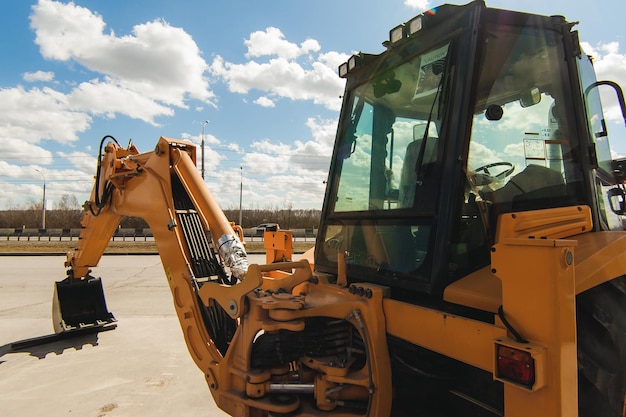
121 234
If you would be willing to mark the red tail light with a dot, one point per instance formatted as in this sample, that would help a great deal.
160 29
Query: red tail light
515 365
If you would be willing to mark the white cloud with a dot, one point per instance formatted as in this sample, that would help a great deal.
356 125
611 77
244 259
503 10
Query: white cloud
107 98
18 181
310 159
273 174
82 161
282 75
299 169
13 194
36 114
323 131
419 5
514 150
38 76
264 102
57 25
147 74
143 75
482 154
214 153
272 42
209 139
262 163
15 149
158 61
307 154
333 59
213 140
283 78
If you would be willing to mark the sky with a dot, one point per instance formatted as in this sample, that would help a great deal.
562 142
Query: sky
256 79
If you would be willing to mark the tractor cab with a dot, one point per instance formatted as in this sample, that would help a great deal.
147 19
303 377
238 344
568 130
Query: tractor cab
470 113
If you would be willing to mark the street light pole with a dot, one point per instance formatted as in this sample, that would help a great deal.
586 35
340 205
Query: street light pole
202 146
43 201
240 195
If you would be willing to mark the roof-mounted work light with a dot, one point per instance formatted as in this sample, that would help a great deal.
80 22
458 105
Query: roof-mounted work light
353 62
350 65
396 34
343 70
414 25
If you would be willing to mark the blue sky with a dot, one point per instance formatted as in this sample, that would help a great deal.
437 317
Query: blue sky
263 73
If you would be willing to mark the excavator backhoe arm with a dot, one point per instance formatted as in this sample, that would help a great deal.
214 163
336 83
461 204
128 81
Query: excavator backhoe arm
265 336
197 244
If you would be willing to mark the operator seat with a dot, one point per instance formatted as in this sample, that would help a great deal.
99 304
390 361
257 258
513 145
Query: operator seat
408 177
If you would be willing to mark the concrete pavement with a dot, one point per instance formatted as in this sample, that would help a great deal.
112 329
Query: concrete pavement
142 368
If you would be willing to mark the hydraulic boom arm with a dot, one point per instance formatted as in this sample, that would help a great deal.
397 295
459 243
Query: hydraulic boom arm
196 242
261 347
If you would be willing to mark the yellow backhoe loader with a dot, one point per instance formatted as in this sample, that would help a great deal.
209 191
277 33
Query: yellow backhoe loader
470 259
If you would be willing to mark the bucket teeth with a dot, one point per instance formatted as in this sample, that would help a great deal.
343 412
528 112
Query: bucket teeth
78 304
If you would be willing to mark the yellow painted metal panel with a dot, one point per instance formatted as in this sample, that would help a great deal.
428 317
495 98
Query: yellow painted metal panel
467 340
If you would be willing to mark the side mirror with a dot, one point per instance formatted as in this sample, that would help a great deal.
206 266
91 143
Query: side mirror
617 200
618 168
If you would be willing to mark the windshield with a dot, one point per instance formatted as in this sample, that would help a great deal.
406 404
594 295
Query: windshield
392 137
387 163
522 152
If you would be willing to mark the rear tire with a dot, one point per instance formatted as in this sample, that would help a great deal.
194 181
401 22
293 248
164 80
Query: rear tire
601 328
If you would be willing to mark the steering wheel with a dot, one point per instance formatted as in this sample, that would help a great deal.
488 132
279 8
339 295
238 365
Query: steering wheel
488 178
333 243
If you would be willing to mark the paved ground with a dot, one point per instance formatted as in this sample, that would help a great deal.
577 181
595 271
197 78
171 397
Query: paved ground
142 368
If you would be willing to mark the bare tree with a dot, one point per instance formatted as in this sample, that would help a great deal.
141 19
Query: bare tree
67 213
67 202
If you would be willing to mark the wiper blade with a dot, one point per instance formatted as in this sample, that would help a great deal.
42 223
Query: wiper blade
348 147
419 171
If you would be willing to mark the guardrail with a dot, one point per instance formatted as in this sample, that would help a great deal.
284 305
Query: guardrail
122 234
70 234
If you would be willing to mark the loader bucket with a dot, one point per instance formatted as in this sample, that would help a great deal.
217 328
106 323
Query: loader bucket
79 304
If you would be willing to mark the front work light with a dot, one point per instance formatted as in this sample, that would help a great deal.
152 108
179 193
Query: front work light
415 25
343 70
353 62
350 65
396 34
